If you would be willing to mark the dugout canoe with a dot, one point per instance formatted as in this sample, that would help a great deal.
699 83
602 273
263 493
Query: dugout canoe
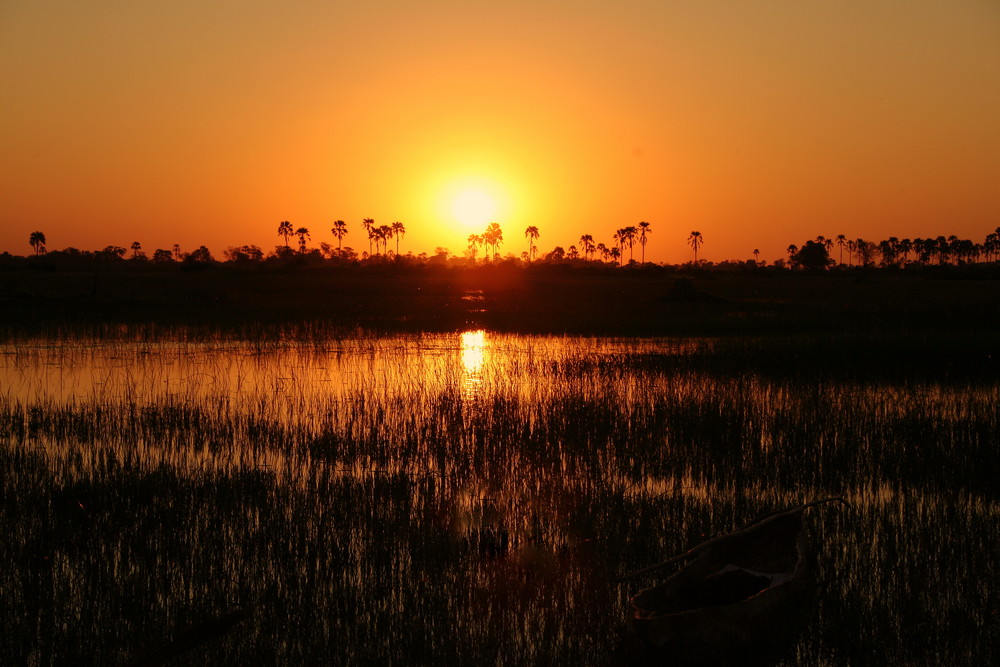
739 601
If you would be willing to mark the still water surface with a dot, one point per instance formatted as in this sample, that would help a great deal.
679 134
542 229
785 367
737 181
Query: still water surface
469 498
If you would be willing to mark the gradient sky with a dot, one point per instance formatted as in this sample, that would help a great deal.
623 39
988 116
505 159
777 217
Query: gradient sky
758 123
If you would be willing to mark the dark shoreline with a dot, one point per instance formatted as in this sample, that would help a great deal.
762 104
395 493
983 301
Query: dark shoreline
546 300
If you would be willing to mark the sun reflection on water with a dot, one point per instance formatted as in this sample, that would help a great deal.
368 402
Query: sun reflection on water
473 358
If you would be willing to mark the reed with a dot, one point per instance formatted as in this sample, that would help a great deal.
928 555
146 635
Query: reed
426 498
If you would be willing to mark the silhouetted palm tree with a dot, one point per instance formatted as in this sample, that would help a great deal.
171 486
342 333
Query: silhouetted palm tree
991 245
644 230
865 251
475 240
37 241
841 242
904 247
941 249
303 234
398 230
285 229
792 250
695 240
587 241
825 242
383 236
619 239
136 249
756 256
368 223
888 251
177 250
493 236
603 249
631 234
625 237
531 233
339 230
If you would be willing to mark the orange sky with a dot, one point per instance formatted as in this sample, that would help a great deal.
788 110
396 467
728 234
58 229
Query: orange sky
758 123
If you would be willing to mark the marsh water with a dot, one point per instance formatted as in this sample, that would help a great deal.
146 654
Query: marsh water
472 497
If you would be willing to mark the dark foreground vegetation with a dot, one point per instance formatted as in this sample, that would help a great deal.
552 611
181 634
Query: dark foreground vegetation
542 299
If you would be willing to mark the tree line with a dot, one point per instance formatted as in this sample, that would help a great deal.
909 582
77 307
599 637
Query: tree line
817 254
893 252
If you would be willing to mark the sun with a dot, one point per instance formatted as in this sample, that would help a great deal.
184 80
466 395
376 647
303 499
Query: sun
474 208
469 203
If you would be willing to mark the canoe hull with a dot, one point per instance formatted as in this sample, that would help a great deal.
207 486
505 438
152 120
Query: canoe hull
756 630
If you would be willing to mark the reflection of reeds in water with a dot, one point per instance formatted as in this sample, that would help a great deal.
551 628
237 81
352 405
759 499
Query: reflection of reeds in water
365 505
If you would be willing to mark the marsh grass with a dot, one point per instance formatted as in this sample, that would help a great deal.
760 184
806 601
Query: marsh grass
423 499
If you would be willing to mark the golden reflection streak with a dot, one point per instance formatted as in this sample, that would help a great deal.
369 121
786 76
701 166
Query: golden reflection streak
473 358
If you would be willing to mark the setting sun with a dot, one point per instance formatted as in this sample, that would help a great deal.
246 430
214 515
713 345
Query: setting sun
469 203
474 208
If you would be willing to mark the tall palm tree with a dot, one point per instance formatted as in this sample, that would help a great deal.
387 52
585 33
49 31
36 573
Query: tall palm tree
631 234
888 252
603 249
865 250
531 233
339 230
303 234
384 234
991 245
905 246
398 229
368 223
695 240
587 241
285 229
792 250
37 241
493 236
756 256
136 248
942 247
475 240
644 230
619 238
841 242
